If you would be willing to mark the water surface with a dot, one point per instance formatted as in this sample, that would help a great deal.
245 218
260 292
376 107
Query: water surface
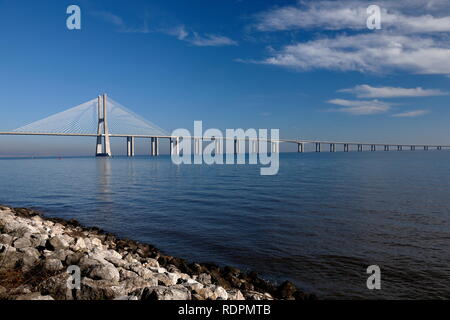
319 223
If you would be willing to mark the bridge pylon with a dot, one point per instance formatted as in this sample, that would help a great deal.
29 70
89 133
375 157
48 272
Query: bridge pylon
103 148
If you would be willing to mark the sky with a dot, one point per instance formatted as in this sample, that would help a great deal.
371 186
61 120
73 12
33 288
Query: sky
312 69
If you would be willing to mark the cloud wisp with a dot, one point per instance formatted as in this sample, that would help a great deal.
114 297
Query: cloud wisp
411 114
367 91
180 32
360 107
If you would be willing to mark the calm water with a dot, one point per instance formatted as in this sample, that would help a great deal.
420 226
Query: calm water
319 223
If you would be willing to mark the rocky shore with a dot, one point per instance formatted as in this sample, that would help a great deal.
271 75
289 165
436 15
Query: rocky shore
36 252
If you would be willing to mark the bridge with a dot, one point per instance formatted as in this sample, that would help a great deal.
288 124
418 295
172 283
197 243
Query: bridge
103 118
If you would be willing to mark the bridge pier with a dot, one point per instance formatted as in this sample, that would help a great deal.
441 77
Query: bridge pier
154 147
254 146
346 147
360 148
332 147
275 147
300 147
175 146
217 145
130 146
317 147
399 148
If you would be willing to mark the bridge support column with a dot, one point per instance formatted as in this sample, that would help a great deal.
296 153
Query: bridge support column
300 147
275 147
386 148
317 147
218 146
236 146
154 147
254 146
360 148
198 146
345 147
399 148
103 148
130 146
332 147
175 146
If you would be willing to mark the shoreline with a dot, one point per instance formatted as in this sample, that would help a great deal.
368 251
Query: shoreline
35 252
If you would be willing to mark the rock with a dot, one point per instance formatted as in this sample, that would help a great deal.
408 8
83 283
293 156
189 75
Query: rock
74 258
22 243
204 278
286 290
34 296
6 238
79 245
164 280
38 240
60 254
221 293
166 293
235 294
53 265
96 242
105 272
30 258
152 263
56 286
99 290
57 243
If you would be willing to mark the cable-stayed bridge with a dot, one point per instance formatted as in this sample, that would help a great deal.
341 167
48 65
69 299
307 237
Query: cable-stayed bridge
104 118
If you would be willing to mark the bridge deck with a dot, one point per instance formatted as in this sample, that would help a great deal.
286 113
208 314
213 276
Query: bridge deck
225 138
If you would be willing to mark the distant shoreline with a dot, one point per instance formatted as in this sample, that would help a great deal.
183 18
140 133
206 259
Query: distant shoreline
35 252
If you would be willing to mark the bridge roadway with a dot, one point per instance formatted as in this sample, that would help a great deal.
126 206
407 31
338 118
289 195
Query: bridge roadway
300 142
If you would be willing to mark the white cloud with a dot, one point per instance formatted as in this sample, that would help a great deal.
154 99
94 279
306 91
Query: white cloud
411 114
367 91
335 15
413 38
360 107
371 52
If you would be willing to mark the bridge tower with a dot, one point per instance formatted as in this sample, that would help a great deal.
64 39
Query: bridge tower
103 145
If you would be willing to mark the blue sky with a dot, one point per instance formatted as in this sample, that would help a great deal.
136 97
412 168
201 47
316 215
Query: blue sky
310 68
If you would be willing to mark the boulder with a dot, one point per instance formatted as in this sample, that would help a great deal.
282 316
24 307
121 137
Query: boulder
30 258
56 243
105 272
53 265
22 243
166 293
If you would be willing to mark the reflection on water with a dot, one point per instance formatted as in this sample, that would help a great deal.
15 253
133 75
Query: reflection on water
320 222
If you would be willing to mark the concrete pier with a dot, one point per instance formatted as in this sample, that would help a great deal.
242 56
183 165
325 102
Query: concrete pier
255 145
360 148
300 147
154 147
345 147
332 147
130 146
317 147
